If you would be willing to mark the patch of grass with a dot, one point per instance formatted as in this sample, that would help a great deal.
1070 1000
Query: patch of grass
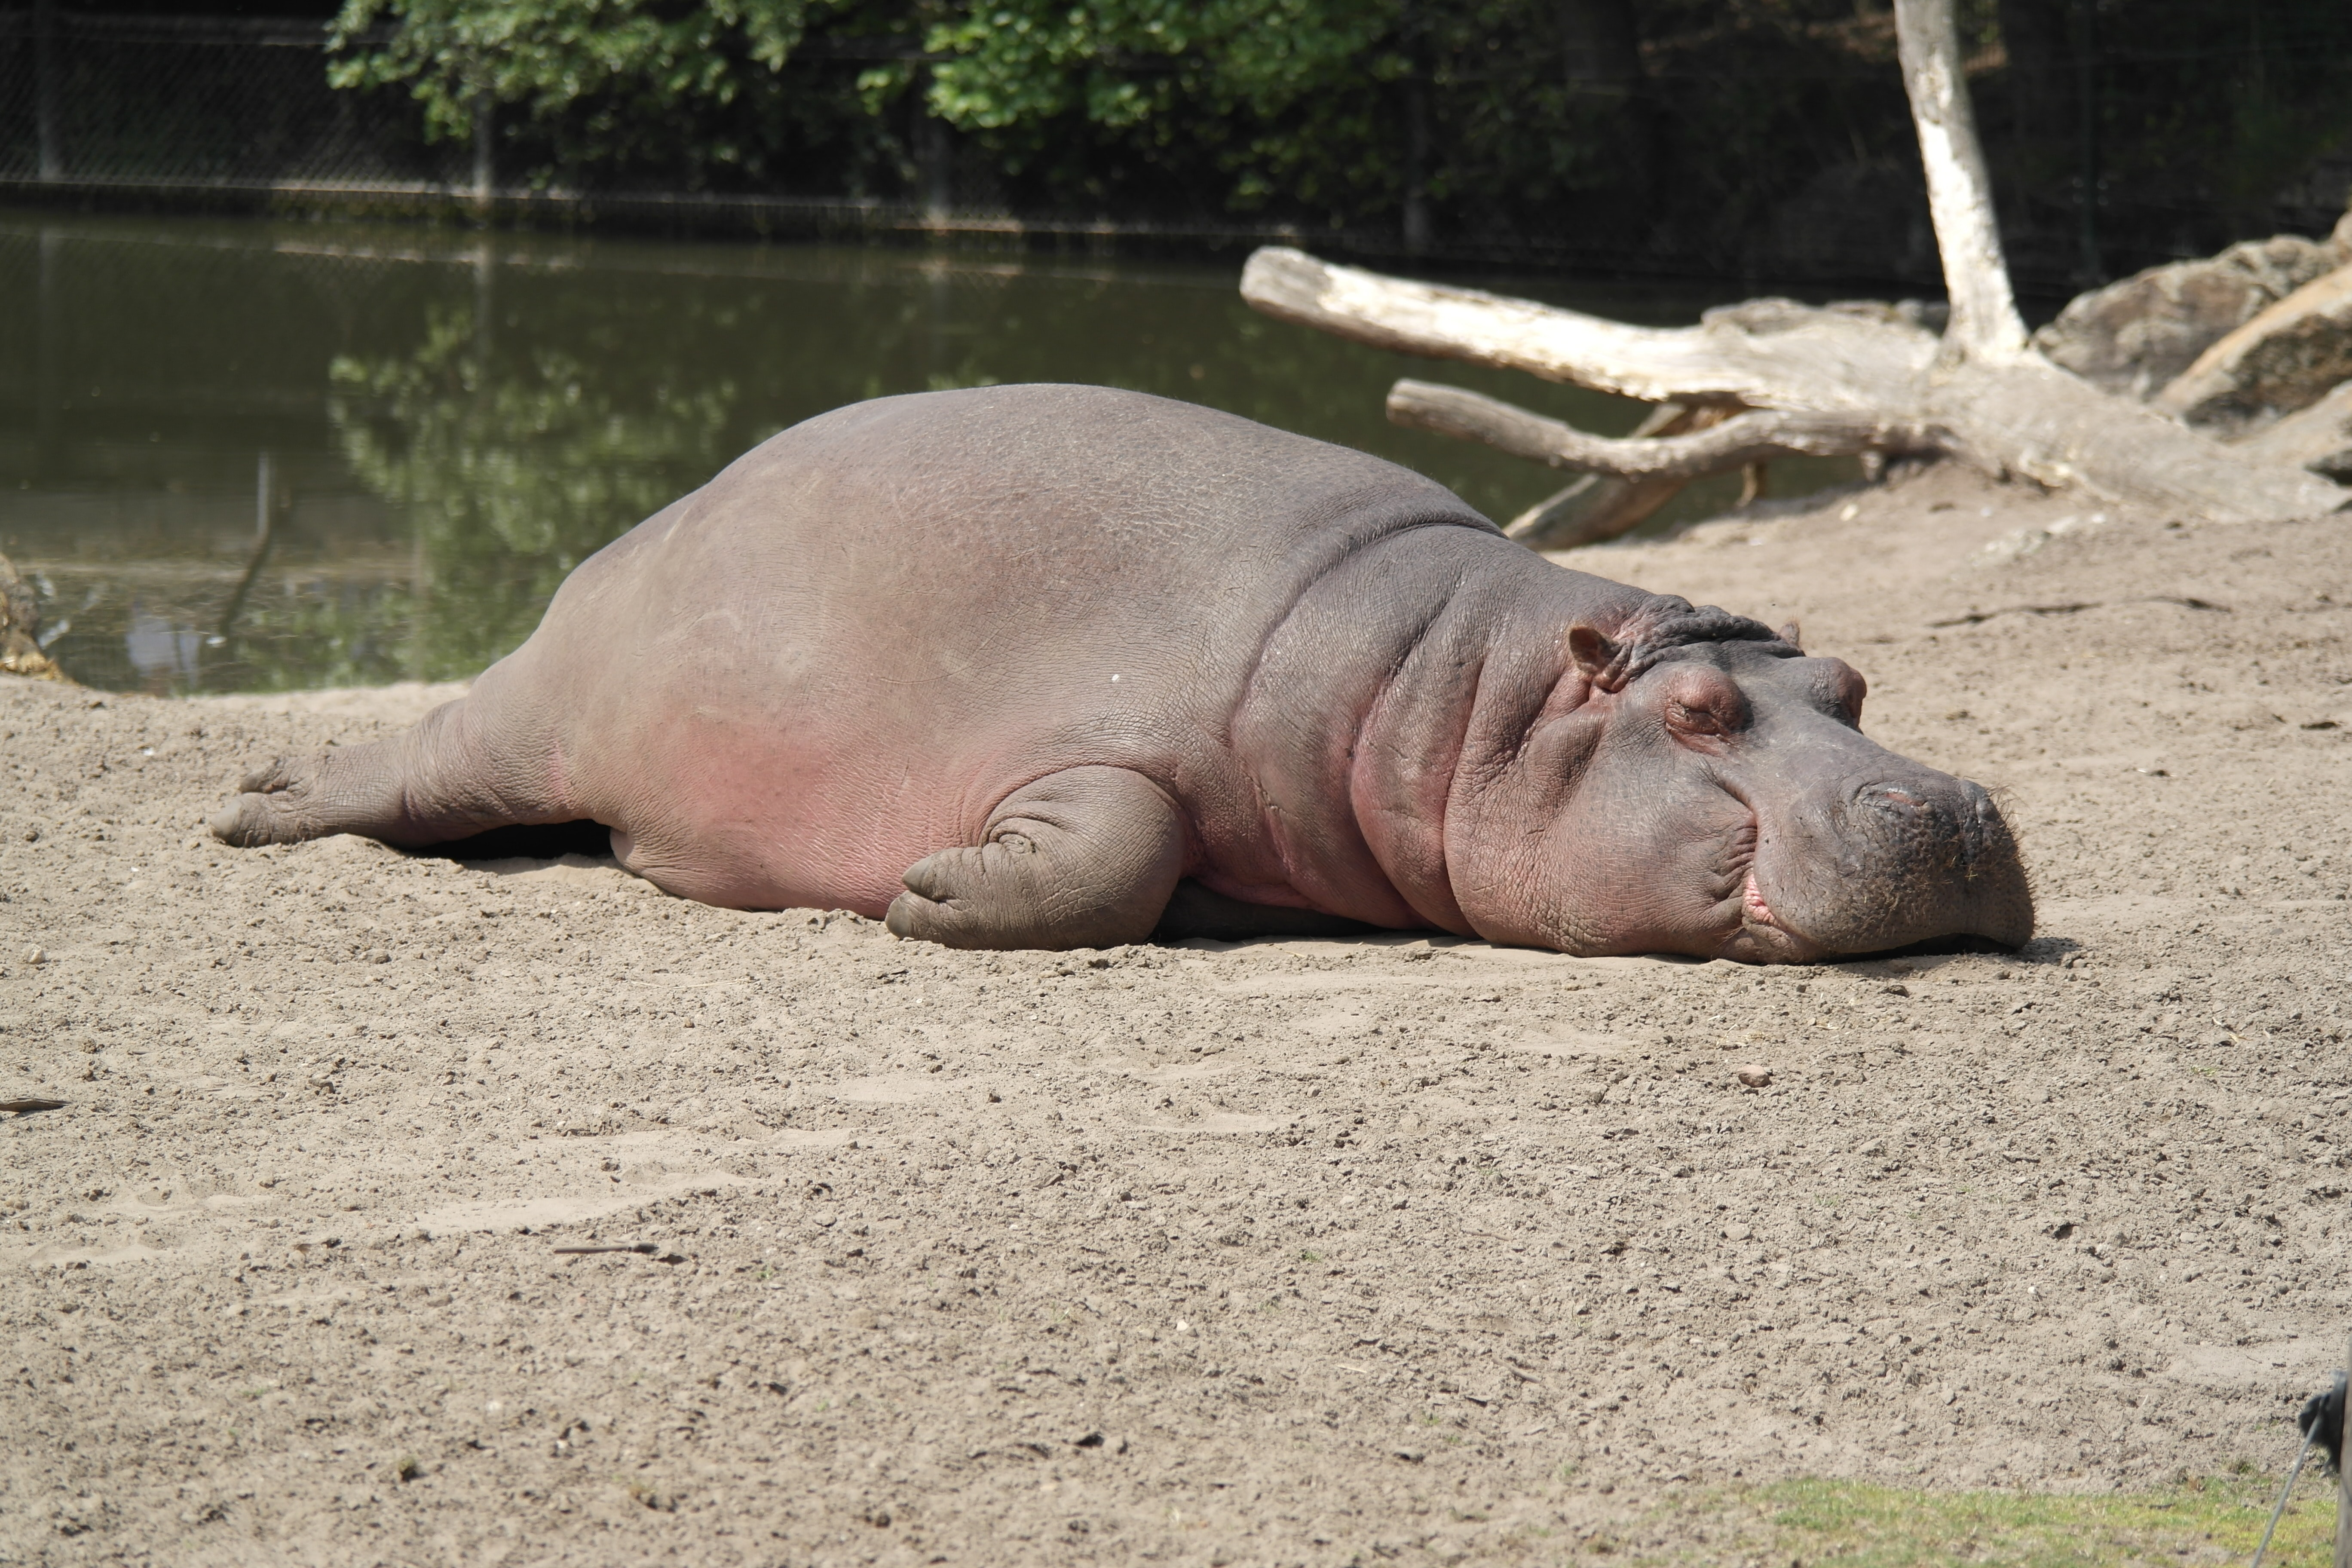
647 1494
1856 1525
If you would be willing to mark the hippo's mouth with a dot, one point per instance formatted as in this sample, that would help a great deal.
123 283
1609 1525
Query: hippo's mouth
1756 934
1762 937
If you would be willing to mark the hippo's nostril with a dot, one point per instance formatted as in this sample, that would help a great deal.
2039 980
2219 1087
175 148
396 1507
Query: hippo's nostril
1890 797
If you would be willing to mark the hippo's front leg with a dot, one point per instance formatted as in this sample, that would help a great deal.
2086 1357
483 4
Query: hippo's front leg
1085 858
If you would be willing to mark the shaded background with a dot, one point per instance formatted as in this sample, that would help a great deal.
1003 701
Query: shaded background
1750 139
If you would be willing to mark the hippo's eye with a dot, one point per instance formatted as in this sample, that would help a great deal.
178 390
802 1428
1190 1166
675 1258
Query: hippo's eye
1702 705
1694 720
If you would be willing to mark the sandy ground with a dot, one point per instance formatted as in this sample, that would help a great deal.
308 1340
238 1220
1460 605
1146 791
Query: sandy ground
1314 1252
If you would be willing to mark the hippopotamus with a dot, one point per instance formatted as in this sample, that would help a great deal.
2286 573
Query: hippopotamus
1060 667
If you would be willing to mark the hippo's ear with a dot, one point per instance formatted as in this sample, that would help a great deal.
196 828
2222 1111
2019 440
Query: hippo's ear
1793 635
1599 660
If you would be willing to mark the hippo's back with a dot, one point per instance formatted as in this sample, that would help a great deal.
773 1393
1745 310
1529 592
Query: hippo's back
871 628
1053 503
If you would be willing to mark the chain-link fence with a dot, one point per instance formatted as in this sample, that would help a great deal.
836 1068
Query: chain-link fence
198 101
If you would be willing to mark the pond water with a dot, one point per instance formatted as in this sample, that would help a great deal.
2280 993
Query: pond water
242 456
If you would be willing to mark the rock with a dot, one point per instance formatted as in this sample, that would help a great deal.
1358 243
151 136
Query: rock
2135 336
2287 358
1753 1077
20 626
2318 437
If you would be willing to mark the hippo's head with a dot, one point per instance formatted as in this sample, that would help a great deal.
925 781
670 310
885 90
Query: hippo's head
1699 785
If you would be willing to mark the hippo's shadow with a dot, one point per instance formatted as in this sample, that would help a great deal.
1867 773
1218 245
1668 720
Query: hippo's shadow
541 841
1196 915
2058 950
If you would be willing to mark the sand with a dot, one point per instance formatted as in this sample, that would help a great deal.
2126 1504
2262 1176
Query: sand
1316 1252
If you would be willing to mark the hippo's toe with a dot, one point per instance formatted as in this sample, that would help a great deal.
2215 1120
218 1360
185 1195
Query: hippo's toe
270 808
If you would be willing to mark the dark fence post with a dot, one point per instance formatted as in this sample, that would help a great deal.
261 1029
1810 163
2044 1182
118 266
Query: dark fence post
933 149
48 355
2344 1480
484 149
2094 270
1416 132
45 88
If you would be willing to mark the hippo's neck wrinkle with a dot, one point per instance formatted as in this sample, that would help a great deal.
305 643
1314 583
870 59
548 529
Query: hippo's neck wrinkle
1364 624
1407 748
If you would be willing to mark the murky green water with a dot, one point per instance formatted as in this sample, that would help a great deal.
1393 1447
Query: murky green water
241 456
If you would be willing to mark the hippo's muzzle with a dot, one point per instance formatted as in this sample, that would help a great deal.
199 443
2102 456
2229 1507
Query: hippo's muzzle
1893 862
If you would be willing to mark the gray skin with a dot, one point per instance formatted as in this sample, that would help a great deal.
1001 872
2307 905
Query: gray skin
1007 665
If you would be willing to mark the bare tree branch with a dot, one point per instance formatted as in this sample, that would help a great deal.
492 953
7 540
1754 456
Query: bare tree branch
1755 436
1845 379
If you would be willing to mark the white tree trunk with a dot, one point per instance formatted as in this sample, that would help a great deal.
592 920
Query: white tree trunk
1984 323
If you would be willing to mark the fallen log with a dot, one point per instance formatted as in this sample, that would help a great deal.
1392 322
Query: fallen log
1869 379
1864 378
1595 508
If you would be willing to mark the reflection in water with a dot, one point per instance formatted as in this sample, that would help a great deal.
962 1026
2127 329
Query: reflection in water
163 652
241 455
510 475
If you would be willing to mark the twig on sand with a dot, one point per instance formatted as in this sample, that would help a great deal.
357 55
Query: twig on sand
644 1248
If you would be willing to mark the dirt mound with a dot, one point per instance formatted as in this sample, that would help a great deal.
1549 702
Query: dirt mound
1298 1251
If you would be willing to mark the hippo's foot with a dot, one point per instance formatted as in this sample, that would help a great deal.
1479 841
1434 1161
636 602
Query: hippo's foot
296 798
1086 858
467 766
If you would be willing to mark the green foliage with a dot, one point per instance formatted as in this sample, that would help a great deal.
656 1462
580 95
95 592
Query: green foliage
1165 74
1124 61
551 54
618 80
